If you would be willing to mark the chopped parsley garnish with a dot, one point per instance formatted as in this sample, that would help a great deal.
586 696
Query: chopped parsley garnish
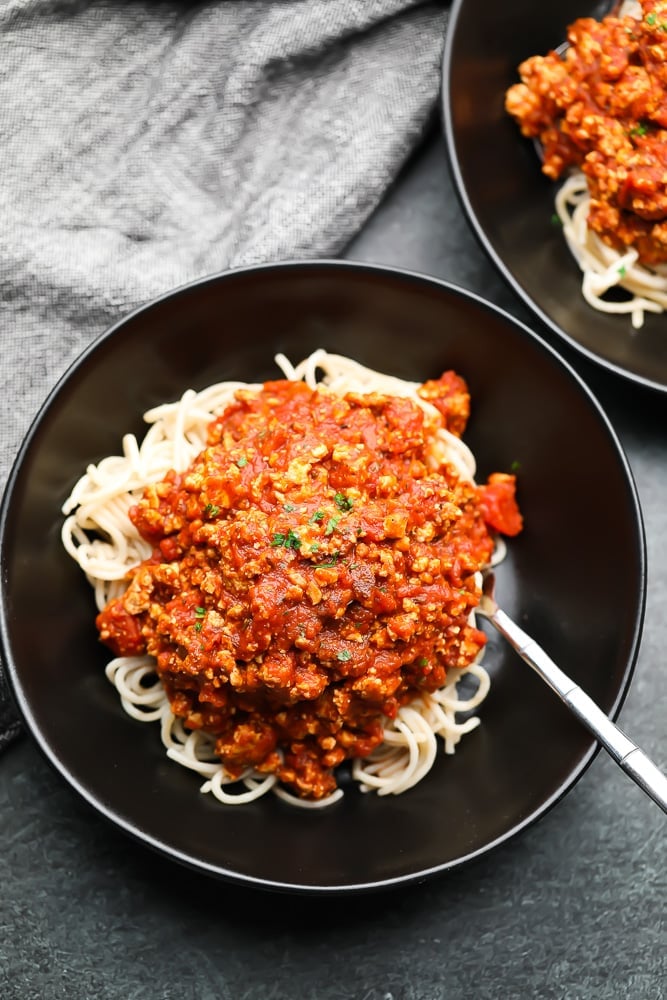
422 662
288 541
317 516
344 655
640 129
651 18
556 220
289 507
200 614
211 510
622 271
331 561
331 525
343 502
241 462
515 466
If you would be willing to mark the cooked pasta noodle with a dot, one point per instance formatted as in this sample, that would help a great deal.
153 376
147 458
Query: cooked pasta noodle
604 267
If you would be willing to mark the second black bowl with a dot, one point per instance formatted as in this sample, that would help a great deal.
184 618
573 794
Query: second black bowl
508 200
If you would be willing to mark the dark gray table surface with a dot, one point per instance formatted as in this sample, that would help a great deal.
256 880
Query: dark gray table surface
573 908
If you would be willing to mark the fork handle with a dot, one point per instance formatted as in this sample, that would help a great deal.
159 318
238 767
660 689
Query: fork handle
626 753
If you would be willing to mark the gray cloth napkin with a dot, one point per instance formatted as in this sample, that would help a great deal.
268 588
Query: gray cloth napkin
143 144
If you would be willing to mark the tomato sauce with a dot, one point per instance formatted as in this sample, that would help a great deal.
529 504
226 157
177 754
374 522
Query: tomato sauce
311 571
602 108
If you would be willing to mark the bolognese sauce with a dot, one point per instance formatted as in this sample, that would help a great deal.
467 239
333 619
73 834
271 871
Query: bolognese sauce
601 107
312 570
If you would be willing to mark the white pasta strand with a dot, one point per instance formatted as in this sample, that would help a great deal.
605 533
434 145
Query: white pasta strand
99 535
293 800
255 789
409 746
604 267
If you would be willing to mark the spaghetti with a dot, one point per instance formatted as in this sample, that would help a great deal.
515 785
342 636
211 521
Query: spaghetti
605 267
106 532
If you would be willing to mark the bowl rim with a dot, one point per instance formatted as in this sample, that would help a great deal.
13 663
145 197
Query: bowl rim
13 672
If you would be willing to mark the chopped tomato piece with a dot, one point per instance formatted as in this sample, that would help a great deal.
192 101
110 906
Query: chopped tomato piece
499 506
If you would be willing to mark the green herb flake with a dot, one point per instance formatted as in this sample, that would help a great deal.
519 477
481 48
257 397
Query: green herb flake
242 462
289 507
556 220
651 18
317 516
200 612
331 525
422 661
288 541
211 510
198 626
622 271
344 655
640 129
515 466
331 561
343 502
293 540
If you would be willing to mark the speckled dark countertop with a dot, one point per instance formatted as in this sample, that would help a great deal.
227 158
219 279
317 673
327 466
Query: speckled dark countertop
572 909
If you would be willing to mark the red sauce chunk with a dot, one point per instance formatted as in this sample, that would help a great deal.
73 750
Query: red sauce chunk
312 571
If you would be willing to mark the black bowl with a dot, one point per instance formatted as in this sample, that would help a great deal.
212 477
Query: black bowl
581 513
508 200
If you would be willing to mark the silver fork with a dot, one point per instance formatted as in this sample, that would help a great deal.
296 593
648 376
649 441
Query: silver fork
626 754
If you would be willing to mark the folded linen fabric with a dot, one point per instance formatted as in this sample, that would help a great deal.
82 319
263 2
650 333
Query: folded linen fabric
145 143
